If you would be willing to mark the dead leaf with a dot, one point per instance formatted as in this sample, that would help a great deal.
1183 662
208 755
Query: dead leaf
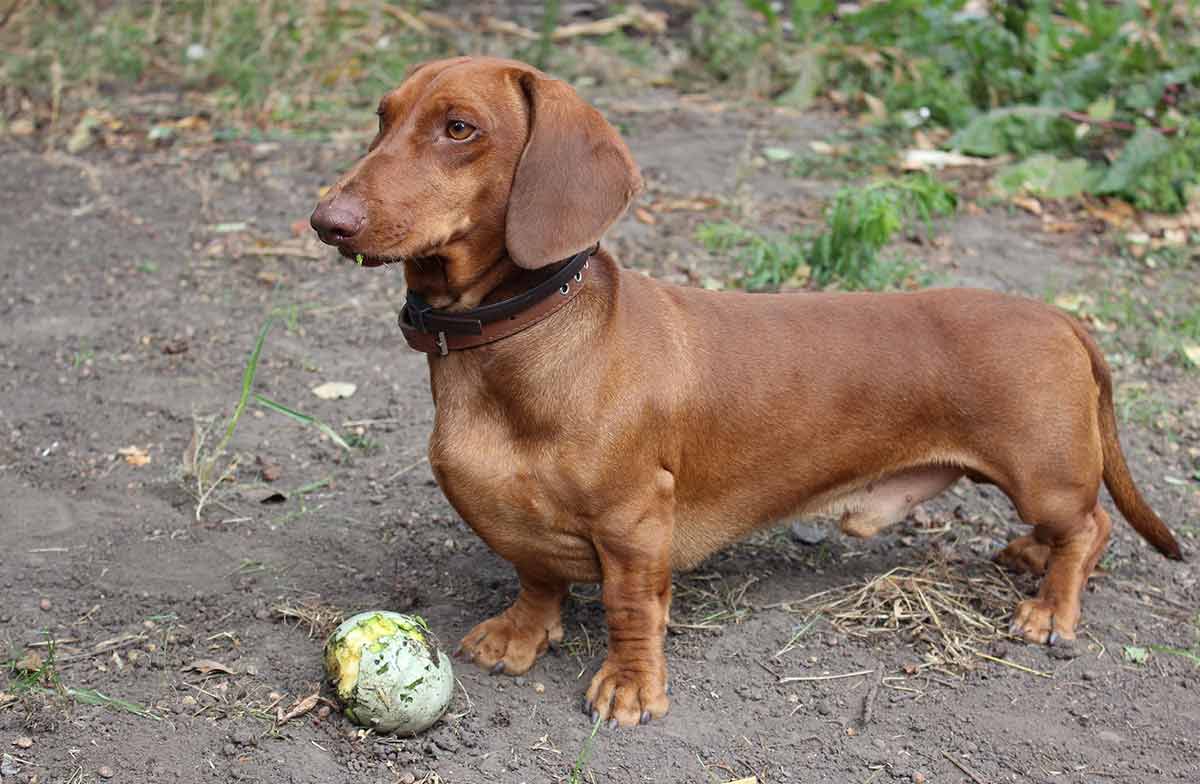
1073 303
176 346
1114 212
334 390
134 455
645 216
685 205
299 708
875 106
1060 227
208 667
192 122
1029 204
268 470
30 662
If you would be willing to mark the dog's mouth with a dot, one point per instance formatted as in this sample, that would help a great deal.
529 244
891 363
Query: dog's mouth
368 260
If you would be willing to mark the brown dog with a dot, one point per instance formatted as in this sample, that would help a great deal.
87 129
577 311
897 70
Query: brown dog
594 425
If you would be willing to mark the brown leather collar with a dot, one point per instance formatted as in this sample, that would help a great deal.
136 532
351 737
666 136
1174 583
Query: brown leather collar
441 331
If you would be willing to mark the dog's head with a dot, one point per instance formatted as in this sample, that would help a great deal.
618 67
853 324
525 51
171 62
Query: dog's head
478 160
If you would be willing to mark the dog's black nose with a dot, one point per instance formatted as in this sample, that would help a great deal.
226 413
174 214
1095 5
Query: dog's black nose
339 219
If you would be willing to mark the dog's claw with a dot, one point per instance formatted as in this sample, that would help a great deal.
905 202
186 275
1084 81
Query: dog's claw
595 715
1053 639
498 668
645 719
457 651
612 724
587 707
1014 629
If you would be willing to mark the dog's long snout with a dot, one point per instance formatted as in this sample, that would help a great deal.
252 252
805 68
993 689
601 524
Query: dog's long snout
339 219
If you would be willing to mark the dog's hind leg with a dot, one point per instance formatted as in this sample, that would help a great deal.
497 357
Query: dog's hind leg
1072 553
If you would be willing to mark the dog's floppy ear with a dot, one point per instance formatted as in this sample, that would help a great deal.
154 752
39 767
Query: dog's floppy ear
575 177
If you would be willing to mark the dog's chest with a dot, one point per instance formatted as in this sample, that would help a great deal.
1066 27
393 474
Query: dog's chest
516 496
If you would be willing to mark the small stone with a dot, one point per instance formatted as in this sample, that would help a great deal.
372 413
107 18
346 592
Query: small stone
105 772
918 778
805 533
23 742
44 604
243 737
823 708
323 712
188 701
1088 675
407 778
9 765
539 687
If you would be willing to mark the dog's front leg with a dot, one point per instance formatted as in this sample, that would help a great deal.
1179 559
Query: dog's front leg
635 559
512 641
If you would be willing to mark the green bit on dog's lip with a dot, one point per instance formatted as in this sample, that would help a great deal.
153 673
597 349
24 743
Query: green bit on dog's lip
359 259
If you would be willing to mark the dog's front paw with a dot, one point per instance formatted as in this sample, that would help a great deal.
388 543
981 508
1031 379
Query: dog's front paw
627 696
502 646
1041 621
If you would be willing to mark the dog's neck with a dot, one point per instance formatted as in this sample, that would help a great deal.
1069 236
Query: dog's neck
453 284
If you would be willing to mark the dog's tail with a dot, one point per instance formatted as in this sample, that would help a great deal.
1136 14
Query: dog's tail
1116 472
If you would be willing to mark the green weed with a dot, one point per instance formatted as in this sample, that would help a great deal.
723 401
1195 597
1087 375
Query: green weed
299 64
1110 83
846 252
585 753
208 467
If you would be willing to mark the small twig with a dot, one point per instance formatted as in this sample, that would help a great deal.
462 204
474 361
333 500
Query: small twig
1013 664
48 643
406 469
810 678
101 648
1116 125
970 773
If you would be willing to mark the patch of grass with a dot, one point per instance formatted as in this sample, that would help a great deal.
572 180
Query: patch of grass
296 64
94 697
846 252
1113 83
207 467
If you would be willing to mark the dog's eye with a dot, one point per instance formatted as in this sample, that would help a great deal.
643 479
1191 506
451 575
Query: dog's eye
459 130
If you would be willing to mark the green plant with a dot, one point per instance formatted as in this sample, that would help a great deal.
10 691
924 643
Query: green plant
300 64
581 760
1085 79
846 252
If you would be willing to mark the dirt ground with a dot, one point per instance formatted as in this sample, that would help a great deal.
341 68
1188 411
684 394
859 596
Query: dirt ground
134 282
